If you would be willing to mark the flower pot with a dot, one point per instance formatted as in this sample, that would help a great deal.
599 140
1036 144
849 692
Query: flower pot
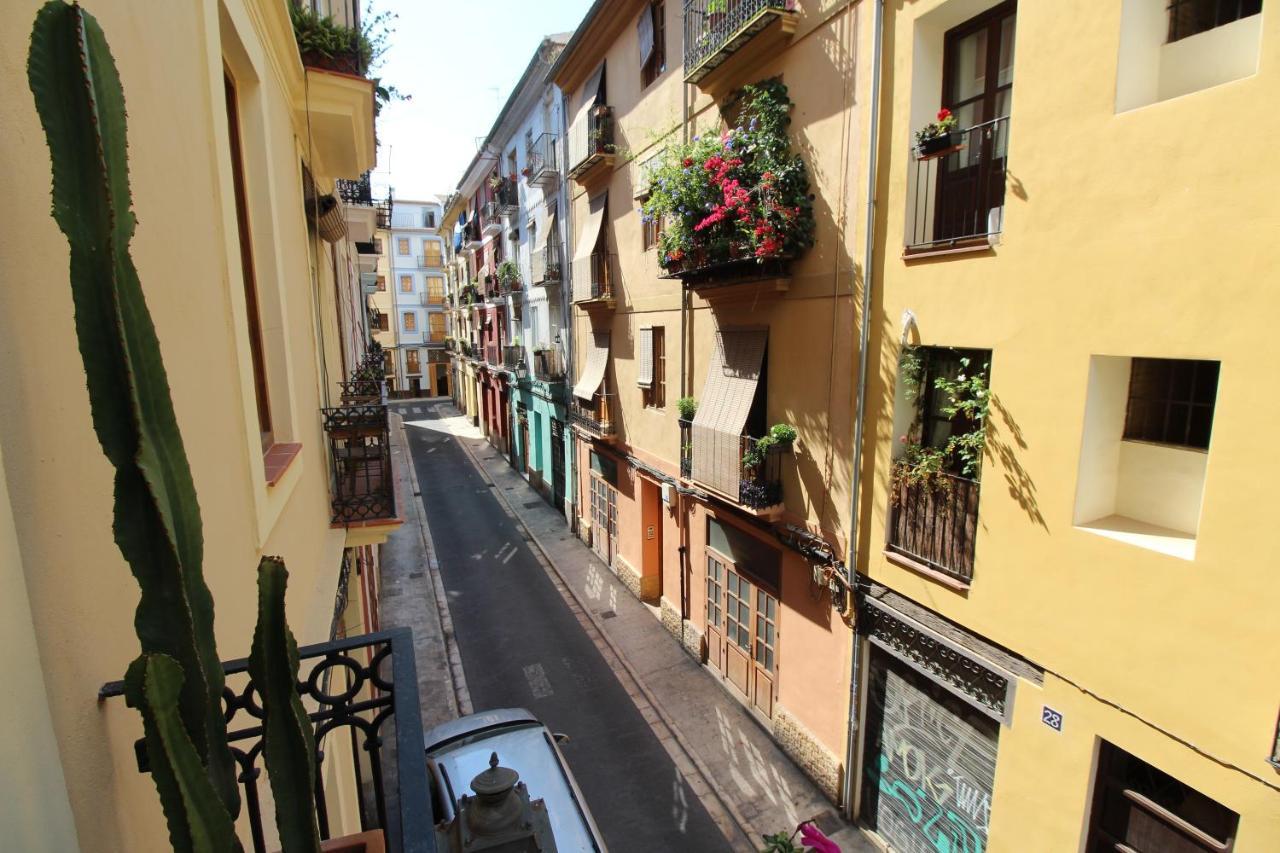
939 145
360 842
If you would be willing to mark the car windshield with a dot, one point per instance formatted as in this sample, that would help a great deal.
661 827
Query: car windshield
528 751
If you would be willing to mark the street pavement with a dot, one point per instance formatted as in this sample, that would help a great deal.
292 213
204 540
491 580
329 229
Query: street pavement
522 645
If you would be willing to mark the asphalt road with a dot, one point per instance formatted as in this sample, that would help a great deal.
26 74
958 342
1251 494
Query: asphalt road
521 646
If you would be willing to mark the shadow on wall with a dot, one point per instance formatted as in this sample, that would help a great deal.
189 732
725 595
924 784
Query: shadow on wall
1021 487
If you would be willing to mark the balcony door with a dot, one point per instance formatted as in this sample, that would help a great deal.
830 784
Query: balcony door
977 86
604 518
742 632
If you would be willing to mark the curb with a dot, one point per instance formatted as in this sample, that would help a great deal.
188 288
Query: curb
747 831
457 676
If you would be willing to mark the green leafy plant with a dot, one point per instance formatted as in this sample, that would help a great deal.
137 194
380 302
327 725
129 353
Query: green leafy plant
741 195
758 451
321 37
509 274
687 407
784 434
176 683
967 398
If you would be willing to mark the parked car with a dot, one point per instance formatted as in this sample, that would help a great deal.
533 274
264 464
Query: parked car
459 750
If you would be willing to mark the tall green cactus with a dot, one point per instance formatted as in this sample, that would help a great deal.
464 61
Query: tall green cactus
288 741
177 681
157 520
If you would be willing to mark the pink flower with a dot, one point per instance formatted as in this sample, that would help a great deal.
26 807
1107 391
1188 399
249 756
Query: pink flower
812 838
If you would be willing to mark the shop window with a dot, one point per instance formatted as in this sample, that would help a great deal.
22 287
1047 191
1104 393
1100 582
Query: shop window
1144 450
1170 48
1139 808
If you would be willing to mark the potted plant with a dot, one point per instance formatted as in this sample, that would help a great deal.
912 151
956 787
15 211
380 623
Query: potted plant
938 137
784 435
687 407
715 13
509 275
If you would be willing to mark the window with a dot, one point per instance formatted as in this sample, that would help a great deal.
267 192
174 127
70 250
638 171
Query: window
937 427
402 245
382 284
256 350
406 284
1140 808
411 362
388 361
410 321
384 322
512 167
1188 17
435 290
429 219
436 323
655 396
1171 401
652 29
431 251
652 227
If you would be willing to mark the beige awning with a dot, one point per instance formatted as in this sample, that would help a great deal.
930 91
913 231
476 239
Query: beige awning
593 372
590 93
587 240
644 352
541 241
722 412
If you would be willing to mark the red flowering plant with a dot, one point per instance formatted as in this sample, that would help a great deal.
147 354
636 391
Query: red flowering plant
943 125
741 195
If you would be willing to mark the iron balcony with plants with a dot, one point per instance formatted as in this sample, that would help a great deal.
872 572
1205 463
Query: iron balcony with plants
737 206
714 30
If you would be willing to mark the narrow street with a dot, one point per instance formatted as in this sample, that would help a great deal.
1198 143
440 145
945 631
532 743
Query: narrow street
521 646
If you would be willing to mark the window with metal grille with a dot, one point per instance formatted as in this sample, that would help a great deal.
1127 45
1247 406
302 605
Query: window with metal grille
1140 808
1171 401
1189 17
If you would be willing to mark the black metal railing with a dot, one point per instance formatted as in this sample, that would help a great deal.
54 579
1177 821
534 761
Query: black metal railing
957 194
363 391
360 446
548 365
513 358
936 523
471 230
595 418
542 159
507 197
593 277
713 29
491 216
363 688
590 139
760 472
546 265
356 192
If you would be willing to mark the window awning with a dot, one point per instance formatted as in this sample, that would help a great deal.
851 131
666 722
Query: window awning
540 241
590 94
593 372
726 401
644 30
644 351
586 245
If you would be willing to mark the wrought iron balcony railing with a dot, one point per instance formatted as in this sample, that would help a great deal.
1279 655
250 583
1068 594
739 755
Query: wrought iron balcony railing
363 391
548 365
543 160
471 235
759 482
356 192
360 446
935 524
593 278
493 354
590 140
597 418
491 219
546 265
432 261
507 197
364 689
955 195
513 358
716 29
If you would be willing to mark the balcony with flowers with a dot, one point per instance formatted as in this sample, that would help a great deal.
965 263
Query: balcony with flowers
735 208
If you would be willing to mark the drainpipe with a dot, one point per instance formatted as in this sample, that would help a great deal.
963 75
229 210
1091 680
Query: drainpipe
851 747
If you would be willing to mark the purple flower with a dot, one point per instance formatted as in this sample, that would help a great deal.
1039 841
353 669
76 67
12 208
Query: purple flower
812 838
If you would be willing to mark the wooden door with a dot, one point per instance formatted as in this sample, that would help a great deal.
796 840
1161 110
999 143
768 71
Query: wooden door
604 513
715 612
764 658
977 87
737 631
557 465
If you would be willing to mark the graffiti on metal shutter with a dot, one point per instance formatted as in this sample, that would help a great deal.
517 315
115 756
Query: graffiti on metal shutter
930 765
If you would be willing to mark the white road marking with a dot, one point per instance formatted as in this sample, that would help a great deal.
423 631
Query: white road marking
417 410
538 682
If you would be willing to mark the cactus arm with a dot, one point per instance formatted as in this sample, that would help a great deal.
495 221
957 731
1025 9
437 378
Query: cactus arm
80 101
288 739
198 821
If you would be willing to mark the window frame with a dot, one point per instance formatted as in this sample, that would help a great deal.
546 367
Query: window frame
402 246
409 321
1198 368
655 396
1175 32
657 64
406 279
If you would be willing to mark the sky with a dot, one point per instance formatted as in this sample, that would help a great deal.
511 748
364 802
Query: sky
459 62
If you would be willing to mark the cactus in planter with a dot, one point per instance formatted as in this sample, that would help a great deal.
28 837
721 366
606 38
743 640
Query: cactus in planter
177 681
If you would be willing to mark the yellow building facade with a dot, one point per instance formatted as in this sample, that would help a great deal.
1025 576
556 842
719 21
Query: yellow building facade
1096 236
217 95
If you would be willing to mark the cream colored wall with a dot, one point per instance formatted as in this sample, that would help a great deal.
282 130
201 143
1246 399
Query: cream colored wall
81 595
35 813
1124 233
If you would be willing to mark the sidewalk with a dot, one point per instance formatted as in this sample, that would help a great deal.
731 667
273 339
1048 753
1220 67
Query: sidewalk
757 784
